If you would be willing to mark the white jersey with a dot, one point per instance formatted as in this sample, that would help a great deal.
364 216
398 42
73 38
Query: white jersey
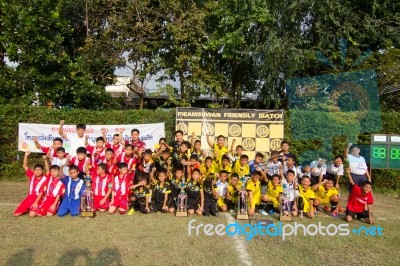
75 142
273 168
333 170
300 173
60 162
317 170
285 169
357 165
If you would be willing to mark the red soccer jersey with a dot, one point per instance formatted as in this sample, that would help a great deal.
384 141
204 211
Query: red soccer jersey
130 161
118 149
111 167
357 200
36 185
95 154
121 185
136 144
100 184
54 187
80 163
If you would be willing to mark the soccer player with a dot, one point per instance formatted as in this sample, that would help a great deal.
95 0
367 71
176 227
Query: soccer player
75 141
335 170
255 165
207 168
222 189
97 152
161 190
241 166
274 166
195 200
273 196
55 189
233 191
102 188
80 161
306 198
50 151
75 191
120 191
141 196
253 188
360 202
37 183
219 148
326 194
358 167
318 170
115 145
177 184
210 196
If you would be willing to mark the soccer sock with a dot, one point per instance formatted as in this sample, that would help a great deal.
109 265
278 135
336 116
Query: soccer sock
301 204
334 206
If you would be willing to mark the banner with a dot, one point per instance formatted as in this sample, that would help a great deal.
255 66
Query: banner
255 130
149 133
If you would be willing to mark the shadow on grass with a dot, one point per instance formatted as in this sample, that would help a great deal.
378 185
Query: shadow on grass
106 256
23 257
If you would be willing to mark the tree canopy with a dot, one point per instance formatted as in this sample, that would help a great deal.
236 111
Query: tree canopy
66 52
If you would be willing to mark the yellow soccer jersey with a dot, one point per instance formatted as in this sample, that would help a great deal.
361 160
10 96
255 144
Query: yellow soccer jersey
306 194
233 193
255 188
324 194
274 192
220 151
241 170
227 168
207 171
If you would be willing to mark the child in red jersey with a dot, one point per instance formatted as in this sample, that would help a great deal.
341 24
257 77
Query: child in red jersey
102 187
50 151
120 191
115 145
54 191
37 183
360 201
81 160
97 152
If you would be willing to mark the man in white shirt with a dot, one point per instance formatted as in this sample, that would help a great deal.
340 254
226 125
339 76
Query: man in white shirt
358 167
75 141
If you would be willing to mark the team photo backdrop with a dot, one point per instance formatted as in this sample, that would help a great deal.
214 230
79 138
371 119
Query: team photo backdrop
255 130
149 133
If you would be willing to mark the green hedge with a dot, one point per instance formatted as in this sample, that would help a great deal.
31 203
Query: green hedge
10 116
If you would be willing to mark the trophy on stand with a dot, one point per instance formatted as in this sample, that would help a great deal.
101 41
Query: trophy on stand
285 214
87 202
181 205
242 202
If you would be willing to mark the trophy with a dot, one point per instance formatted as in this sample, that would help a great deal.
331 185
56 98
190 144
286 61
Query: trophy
87 201
181 204
242 202
285 213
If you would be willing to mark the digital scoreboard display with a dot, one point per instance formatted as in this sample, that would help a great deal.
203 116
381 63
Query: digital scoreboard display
385 151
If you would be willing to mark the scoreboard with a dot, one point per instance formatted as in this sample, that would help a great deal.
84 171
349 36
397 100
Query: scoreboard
385 151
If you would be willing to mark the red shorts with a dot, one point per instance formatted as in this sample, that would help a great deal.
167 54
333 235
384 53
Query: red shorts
46 204
96 203
121 202
26 205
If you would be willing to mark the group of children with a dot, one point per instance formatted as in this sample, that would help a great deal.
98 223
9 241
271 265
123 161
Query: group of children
128 177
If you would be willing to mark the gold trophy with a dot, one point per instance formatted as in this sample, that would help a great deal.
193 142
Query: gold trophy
87 201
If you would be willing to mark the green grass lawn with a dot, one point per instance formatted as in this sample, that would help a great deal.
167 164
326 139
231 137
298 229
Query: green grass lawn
162 239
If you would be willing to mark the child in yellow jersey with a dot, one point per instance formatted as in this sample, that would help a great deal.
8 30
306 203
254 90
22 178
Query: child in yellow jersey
225 165
326 194
233 191
253 188
306 198
273 196
219 148
241 167
207 167
222 189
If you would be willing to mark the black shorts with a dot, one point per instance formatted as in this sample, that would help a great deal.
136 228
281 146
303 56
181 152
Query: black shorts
172 202
192 204
157 206
359 215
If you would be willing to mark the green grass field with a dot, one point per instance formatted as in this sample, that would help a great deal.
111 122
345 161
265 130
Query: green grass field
162 239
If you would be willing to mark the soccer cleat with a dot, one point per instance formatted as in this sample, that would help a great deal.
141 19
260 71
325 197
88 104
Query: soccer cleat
263 212
131 211
271 212
334 214
301 215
